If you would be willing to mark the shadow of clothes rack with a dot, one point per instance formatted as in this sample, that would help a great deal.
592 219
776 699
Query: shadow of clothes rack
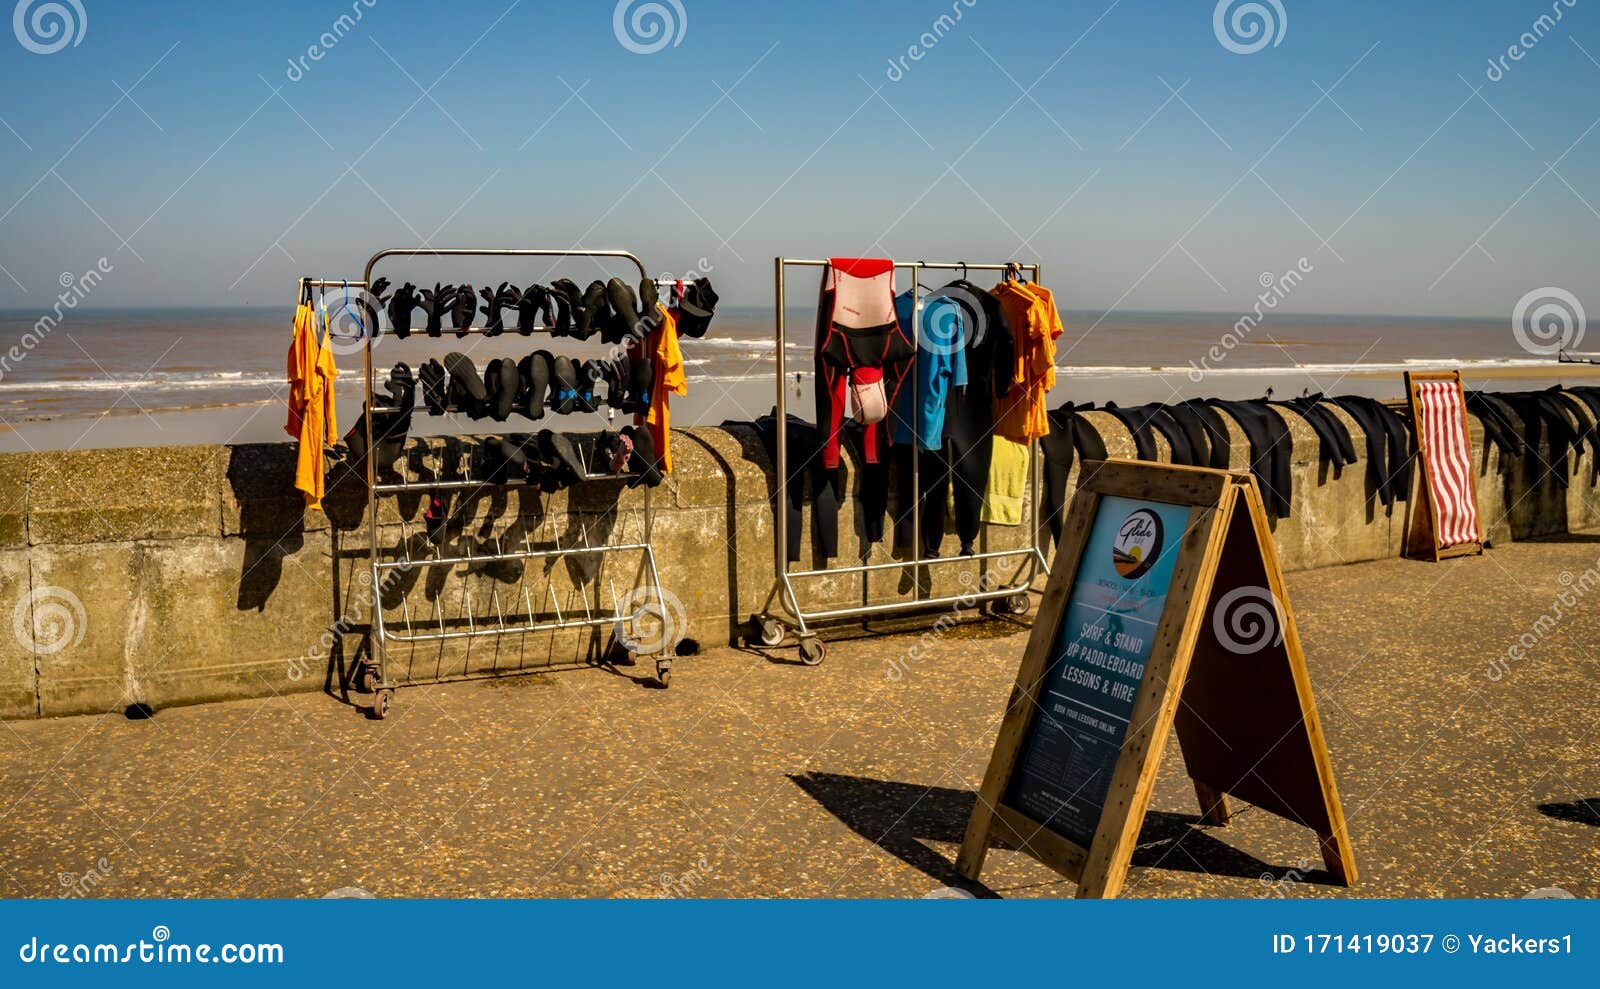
772 626
376 677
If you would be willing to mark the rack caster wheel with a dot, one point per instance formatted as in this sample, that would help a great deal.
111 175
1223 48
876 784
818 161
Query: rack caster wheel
664 674
770 631
368 681
380 704
813 651
1018 604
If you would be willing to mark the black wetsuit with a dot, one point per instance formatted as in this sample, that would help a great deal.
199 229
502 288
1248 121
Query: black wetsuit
969 418
805 461
1333 439
1390 447
1499 421
1271 451
1069 434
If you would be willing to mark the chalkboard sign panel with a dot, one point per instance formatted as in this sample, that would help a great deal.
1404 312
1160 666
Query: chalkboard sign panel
1096 664
1136 618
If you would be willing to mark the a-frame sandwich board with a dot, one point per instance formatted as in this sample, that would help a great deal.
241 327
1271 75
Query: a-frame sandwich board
1166 606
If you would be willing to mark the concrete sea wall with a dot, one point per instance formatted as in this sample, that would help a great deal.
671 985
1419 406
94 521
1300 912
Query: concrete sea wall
176 575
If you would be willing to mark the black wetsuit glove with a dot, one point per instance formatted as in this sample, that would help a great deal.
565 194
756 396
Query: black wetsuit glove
435 387
435 304
530 302
462 308
502 298
401 305
371 300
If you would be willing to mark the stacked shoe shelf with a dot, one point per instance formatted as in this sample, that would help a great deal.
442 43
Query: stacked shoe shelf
640 604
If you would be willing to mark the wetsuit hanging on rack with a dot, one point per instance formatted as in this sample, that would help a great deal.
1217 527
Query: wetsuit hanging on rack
860 350
969 422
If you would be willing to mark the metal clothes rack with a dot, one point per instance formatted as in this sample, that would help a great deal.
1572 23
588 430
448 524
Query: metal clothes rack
771 626
375 677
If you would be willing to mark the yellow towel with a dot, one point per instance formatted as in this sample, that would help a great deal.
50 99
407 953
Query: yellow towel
1008 480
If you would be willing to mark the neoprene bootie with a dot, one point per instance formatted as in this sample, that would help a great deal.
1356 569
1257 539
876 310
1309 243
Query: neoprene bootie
611 375
641 376
569 300
389 429
500 381
437 518
623 320
533 374
590 375
564 385
592 313
695 309
467 391
643 463
563 456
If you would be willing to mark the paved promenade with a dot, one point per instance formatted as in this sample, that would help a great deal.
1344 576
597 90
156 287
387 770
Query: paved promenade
753 776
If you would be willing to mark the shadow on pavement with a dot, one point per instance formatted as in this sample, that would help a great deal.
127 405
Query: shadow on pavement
1578 811
901 818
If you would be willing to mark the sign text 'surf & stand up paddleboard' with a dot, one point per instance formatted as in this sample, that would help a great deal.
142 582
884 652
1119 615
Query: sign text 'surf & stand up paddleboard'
1165 587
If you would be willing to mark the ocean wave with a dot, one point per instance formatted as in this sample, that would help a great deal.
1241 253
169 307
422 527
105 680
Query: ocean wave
152 382
1404 364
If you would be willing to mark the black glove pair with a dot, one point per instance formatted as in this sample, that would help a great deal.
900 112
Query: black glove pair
507 296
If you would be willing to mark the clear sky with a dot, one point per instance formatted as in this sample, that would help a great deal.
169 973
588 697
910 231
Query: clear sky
1369 139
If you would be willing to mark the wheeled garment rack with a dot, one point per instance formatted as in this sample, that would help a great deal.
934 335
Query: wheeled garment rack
772 626
375 676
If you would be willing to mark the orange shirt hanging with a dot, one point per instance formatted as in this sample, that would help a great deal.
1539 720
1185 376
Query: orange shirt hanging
312 420
668 378
1035 322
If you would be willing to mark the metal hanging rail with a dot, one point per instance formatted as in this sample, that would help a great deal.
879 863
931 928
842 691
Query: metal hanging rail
376 677
772 626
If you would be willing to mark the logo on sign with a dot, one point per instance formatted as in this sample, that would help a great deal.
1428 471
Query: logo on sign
1138 543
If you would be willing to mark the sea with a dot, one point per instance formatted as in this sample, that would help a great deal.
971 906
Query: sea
148 362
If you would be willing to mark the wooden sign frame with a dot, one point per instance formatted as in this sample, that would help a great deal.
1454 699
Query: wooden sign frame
1248 724
1429 529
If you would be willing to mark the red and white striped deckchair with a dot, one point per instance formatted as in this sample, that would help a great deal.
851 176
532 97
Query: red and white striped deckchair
1439 412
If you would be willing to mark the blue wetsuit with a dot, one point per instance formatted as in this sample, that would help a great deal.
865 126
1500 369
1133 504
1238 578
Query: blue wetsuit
941 366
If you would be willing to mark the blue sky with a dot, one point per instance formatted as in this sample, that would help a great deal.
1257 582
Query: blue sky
1030 129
